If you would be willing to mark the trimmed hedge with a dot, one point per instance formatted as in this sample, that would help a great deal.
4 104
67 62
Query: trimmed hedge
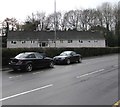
8 53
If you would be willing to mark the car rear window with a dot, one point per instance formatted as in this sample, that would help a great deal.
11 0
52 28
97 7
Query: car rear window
25 55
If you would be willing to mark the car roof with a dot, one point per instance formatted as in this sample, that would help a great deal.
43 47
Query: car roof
67 52
30 52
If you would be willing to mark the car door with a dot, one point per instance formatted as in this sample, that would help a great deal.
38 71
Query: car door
40 60
32 59
74 57
71 57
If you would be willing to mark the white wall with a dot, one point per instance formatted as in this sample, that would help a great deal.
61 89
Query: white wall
75 43
19 44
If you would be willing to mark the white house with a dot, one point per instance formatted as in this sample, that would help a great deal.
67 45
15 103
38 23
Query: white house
29 39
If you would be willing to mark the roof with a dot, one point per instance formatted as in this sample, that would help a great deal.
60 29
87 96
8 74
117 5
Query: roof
67 52
49 35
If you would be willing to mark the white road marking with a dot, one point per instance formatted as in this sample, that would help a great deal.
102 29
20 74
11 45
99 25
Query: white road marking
115 65
36 73
15 76
19 76
90 73
8 71
26 92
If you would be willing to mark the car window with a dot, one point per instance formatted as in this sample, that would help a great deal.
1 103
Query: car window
21 55
31 56
39 55
73 53
64 54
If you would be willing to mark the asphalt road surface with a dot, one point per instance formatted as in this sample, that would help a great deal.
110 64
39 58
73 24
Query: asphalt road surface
92 82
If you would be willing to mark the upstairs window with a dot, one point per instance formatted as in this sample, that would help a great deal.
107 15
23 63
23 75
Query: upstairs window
80 41
23 42
53 41
32 41
95 41
61 41
70 41
89 41
13 42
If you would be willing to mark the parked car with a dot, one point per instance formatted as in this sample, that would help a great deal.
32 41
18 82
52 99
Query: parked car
67 57
29 60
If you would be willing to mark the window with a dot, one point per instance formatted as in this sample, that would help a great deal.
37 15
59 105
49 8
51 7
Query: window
32 41
53 41
73 53
80 41
61 41
89 41
31 56
39 56
69 41
43 44
23 42
95 41
13 42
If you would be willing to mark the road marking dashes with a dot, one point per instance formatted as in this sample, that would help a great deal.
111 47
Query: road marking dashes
115 65
15 76
26 92
90 73
36 73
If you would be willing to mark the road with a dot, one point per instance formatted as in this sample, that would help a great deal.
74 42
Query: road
92 82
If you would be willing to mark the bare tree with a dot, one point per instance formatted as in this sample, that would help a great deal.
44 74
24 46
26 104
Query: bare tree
50 21
10 23
107 14
40 18
85 19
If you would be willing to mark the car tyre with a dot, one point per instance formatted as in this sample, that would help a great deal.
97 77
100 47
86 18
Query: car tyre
80 60
29 67
68 61
51 65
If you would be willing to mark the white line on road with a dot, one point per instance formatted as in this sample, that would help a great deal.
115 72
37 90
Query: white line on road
36 73
15 76
26 92
90 73
115 65
8 71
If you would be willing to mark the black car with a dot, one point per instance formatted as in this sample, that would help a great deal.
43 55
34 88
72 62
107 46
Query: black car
67 57
29 60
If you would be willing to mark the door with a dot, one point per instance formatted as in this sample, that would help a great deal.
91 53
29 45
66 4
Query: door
40 60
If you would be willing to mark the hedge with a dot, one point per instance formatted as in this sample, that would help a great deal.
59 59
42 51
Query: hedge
8 53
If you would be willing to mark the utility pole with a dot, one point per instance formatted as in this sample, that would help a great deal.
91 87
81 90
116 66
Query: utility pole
55 21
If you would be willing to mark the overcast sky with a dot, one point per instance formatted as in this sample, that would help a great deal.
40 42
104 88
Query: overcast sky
20 9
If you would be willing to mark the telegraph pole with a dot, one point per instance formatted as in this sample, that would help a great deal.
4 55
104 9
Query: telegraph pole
55 21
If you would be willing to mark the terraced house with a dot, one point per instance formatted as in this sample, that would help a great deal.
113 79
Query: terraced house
28 39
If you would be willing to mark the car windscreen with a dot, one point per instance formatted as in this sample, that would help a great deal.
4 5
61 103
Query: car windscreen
64 54
21 55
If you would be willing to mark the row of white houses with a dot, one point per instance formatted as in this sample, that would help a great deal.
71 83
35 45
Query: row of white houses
27 39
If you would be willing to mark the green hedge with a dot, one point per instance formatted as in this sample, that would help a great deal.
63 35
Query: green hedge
51 52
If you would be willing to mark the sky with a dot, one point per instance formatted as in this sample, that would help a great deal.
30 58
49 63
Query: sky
20 9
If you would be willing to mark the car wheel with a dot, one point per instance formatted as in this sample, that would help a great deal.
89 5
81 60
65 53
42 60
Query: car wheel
80 60
68 61
29 67
51 65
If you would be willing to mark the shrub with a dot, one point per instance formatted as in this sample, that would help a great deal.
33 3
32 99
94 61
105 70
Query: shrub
8 53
